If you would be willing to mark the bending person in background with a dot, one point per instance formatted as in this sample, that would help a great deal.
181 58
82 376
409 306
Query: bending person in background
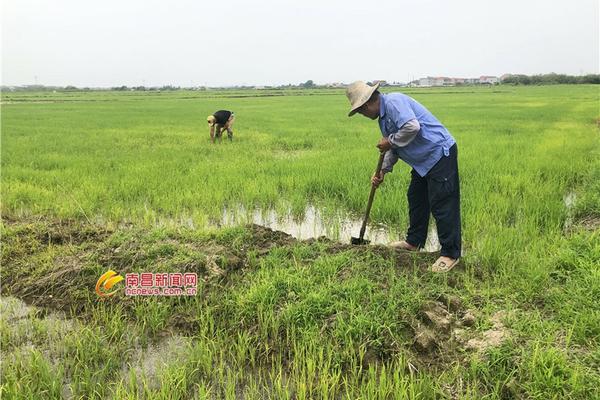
220 121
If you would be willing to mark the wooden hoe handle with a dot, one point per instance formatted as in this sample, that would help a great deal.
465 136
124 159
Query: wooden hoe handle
371 196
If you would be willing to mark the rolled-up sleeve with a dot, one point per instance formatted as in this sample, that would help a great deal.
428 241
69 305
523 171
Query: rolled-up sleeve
389 161
403 137
406 134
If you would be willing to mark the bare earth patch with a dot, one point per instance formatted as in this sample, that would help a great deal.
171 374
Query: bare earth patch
444 330
492 337
589 222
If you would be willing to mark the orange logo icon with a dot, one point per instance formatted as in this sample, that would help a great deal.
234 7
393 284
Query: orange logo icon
106 282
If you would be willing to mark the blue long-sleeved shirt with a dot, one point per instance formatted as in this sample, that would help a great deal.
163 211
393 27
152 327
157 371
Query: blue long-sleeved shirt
421 150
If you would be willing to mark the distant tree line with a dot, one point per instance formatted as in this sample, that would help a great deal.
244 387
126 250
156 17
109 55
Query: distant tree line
550 79
142 88
70 88
517 79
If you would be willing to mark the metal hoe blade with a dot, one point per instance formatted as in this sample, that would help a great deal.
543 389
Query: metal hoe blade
359 241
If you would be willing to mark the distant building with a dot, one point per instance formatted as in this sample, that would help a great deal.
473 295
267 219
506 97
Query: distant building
488 80
440 81
436 81
426 82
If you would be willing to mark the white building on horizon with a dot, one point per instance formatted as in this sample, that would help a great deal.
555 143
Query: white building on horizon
439 81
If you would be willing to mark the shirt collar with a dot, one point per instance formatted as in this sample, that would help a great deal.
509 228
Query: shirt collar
381 106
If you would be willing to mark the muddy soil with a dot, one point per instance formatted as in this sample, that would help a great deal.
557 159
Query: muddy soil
55 265
445 331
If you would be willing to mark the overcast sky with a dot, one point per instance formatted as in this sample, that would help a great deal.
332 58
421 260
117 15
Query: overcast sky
261 42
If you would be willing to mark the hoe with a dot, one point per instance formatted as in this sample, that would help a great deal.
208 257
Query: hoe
360 239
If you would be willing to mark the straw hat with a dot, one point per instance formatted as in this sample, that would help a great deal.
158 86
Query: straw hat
211 119
359 93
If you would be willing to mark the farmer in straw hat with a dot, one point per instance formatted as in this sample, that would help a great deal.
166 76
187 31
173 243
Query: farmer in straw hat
411 133
220 121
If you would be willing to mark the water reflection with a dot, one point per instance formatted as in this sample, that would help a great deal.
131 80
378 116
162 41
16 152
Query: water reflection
315 224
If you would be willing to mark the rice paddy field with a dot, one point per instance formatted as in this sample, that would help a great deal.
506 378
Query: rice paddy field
129 181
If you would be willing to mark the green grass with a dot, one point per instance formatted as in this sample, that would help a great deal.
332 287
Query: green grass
296 320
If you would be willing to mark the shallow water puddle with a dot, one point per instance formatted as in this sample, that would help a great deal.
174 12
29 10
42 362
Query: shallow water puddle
569 199
147 363
25 331
22 322
312 225
315 224
13 309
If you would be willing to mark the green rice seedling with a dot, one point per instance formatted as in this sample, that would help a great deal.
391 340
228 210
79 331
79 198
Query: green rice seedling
29 376
130 181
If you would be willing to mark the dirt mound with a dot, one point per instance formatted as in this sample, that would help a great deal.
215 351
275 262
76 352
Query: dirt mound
266 238
55 263
492 337
47 259
444 330
588 222
59 232
433 327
